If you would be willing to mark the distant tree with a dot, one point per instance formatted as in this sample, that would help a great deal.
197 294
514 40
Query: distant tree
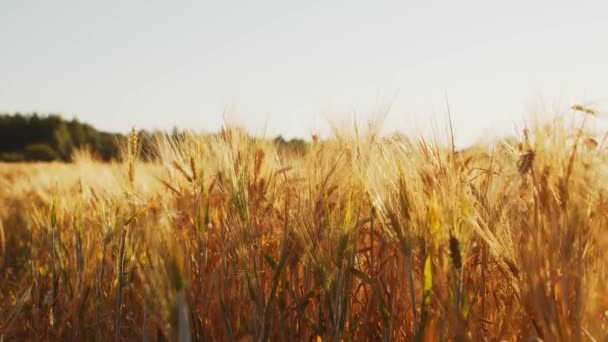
39 152
62 141
109 145
12 157
279 141
77 132
62 137
297 146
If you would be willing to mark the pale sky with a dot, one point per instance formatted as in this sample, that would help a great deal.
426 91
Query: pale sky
292 67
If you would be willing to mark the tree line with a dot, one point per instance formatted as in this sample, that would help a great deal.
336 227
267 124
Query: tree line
34 137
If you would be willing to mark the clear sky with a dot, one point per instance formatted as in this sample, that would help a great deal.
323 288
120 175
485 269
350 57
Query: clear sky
292 67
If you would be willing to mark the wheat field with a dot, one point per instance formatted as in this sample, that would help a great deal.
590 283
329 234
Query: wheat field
359 238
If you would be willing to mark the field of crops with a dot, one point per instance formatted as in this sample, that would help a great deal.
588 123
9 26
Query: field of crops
358 238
